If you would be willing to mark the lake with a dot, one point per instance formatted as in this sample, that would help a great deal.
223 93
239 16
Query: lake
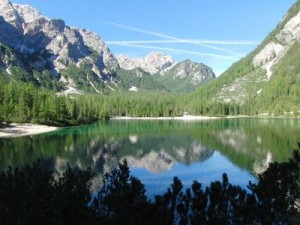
156 151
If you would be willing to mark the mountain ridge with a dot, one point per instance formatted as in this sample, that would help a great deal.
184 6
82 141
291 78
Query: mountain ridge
256 84
184 76
153 63
58 46
78 60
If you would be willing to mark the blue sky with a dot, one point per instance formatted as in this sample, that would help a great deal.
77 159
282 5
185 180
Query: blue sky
214 32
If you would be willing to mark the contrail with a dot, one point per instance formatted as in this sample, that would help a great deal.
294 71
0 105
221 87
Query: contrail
185 41
179 50
152 33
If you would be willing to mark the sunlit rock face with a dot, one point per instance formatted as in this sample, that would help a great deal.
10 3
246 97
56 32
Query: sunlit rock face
28 32
197 72
154 63
276 49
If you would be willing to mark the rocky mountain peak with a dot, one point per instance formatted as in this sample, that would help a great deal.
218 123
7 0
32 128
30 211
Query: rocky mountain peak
93 41
28 13
198 71
27 31
158 56
154 63
184 76
9 14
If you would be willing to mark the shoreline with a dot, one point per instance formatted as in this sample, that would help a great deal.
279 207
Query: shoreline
183 118
195 118
27 129
24 129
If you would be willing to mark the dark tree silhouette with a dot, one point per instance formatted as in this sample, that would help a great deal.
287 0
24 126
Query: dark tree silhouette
34 196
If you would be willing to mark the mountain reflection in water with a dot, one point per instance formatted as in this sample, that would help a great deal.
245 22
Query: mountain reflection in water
158 150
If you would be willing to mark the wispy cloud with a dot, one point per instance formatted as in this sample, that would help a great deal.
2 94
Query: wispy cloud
170 38
201 41
231 58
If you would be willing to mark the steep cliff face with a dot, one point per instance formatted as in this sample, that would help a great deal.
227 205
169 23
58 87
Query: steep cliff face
58 46
277 47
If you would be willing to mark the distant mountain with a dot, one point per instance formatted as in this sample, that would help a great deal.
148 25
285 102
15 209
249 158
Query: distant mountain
153 63
50 54
185 76
41 44
268 79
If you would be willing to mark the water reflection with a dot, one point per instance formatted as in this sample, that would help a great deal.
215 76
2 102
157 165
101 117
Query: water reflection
157 148
261 166
159 160
204 172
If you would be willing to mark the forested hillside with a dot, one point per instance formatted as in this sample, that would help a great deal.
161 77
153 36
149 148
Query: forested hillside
138 78
267 80
24 103
20 102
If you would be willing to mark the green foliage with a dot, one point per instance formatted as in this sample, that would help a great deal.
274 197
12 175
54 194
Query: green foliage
278 189
47 80
139 78
276 97
24 103
20 74
119 190
84 78
283 90
3 76
252 94
21 69
33 196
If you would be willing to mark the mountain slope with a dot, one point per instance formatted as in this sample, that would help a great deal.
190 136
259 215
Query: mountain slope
138 78
18 67
53 46
51 54
186 76
267 80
